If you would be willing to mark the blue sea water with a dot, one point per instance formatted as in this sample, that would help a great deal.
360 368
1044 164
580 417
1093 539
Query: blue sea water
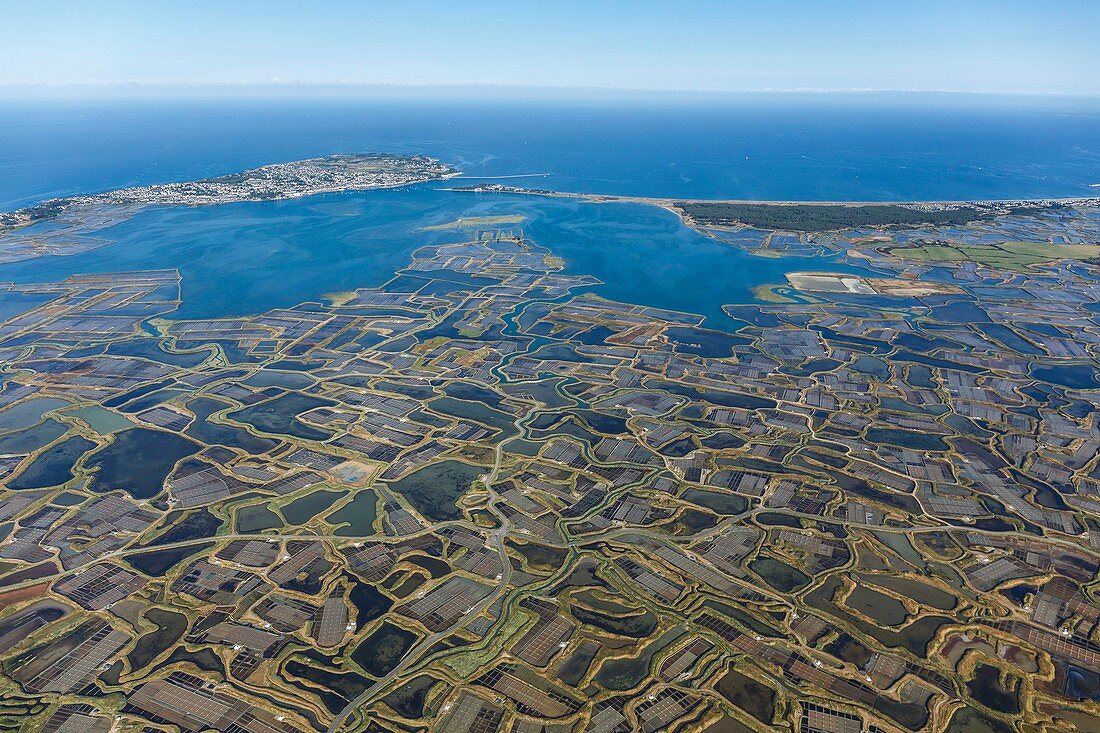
245 258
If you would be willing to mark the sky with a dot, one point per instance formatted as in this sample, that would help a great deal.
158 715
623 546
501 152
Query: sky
933 45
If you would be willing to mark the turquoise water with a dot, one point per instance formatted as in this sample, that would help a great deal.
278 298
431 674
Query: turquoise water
245 258
240 259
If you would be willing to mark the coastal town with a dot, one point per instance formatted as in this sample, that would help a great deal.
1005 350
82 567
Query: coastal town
64 226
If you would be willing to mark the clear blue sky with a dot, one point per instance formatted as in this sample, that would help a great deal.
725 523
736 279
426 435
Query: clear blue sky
957 45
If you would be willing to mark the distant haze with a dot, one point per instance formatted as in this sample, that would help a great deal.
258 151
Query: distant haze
972 46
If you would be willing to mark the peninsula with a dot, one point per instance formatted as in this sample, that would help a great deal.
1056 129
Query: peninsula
812 216
70 220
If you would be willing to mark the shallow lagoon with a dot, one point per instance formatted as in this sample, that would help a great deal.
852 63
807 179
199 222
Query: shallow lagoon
256 518
356 518
923 593
32 438
246 258
884 609
28 412
305 508
102 420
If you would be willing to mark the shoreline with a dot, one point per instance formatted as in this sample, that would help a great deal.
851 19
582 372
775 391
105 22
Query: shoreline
807 217
273 182
672 201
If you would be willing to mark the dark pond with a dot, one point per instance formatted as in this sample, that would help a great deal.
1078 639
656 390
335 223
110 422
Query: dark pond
416 391
408 585
31 439
194 525
138 461
28 412
969 720
308 582
305 508
476 411
256 518
216 434
272 377
813 366
204 659
1075 376
345 684
279 416
150 400
715 501
988 689
159 562
563 428
408 699
22 624
746 693
596 336
922 593
539 556
914 636
357 515
921 376
53 466
42 570
1081 684
573 669
678 448
703 341
724 399
434 489
907 438
626 673
1010 338
383 649
879 606
135 393
637 626
151 349
369 602
170 627
436 567
745 619
474 393
933 361
722 441
778 574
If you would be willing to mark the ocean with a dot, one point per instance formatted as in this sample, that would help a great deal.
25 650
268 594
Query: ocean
244 258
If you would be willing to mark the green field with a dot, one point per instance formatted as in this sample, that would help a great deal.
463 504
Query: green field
1004 255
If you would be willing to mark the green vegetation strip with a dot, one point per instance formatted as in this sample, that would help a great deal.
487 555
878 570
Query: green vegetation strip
822 217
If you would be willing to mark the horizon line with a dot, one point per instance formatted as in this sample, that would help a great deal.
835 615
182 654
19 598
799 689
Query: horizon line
350 86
